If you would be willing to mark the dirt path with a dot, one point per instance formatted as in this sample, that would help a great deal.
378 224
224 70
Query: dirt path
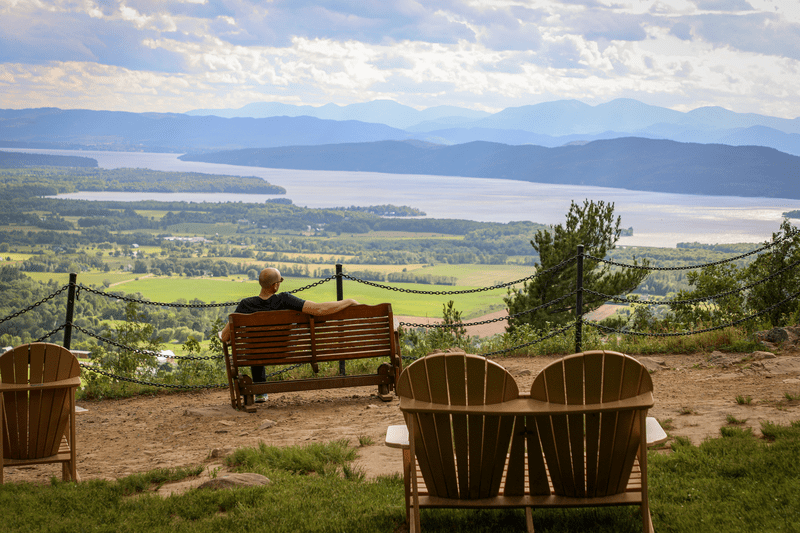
121 437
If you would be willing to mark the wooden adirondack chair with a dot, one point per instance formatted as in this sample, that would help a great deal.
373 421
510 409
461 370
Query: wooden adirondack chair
461 457
37 407
594 443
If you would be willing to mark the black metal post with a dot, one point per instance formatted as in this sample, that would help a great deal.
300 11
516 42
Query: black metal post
339 298
73 284
579 303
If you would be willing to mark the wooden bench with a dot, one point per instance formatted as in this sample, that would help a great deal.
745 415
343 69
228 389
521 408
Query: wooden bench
272 338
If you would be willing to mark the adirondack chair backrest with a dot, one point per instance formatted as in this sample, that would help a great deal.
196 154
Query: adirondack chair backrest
35 420
590 455
460 456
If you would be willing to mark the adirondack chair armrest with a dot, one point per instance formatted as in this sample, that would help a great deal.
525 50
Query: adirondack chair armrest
528 406
397 436
60 384
655 433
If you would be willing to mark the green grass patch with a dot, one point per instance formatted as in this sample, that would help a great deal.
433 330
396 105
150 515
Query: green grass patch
14 256
230 289
199 228
735 483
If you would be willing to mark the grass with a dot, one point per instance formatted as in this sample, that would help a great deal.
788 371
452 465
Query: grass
170 289
733 483
744 400
735 421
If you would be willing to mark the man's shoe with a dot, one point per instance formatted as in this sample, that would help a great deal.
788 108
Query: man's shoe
261 398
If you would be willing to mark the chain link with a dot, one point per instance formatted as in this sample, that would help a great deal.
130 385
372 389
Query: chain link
535 341
48 335
492 320
143 351
697 267
151 383
160 304
743 288
316 283
34 306
694 332
465 291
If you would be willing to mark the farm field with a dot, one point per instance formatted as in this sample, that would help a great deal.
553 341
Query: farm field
234 288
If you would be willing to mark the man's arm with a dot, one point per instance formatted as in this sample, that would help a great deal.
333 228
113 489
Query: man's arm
326 308
225 334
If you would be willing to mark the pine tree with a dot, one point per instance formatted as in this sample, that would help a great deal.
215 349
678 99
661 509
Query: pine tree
593 225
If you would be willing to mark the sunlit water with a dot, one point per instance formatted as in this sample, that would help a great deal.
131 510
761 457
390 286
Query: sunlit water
658 219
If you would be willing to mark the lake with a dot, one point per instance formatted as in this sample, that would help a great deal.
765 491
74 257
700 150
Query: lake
658 219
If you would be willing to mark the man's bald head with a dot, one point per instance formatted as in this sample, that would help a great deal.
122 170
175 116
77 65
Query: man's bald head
268 277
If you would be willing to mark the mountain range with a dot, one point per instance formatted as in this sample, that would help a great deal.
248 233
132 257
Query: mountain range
628 163
272 124
623 143
551 123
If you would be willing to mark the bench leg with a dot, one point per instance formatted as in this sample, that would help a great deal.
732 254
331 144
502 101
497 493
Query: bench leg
384 388
383 393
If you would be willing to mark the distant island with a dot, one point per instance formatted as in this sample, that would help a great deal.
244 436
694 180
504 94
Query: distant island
26 160
627 163
49 175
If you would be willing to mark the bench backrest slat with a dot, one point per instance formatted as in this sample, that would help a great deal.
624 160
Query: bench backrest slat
286 337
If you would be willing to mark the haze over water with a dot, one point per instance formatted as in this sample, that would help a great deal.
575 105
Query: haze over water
658 219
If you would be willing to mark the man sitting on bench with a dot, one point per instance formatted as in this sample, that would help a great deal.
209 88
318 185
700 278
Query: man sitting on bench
269 299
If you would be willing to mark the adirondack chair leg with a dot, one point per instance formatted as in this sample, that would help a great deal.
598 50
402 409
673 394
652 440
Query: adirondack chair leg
407 482
529 519
414 525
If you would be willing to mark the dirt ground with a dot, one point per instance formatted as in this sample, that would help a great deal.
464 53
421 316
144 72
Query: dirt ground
694 394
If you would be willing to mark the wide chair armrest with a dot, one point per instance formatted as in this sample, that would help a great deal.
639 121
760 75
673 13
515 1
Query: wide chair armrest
397 436
60 384
655 433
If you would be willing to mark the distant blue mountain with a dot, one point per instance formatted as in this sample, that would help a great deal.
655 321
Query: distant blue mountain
627 163
386 112
556 123
550 124
113 130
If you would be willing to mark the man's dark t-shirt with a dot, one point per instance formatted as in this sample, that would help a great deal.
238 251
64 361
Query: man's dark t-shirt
276 302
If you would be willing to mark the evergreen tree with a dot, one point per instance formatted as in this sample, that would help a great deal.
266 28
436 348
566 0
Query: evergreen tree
782 257
593 225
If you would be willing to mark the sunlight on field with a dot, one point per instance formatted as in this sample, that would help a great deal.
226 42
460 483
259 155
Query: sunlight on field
479 275
171 289
15 256
84 278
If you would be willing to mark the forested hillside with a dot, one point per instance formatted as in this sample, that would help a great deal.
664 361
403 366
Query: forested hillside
628 163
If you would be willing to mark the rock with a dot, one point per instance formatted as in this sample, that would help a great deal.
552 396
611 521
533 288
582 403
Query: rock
759 356
229 481
266 424
652 365
216 453
720 359
784 337
782 365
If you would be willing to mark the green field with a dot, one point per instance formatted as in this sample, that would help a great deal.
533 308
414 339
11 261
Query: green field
233 289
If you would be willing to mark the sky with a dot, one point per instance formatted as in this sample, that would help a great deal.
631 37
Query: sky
179 55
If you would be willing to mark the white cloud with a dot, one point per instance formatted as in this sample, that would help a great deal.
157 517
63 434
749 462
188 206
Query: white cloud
176 55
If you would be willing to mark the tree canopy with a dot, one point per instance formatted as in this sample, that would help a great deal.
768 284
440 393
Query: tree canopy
593 225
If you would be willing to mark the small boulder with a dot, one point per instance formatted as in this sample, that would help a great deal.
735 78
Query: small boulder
652 365
266 424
